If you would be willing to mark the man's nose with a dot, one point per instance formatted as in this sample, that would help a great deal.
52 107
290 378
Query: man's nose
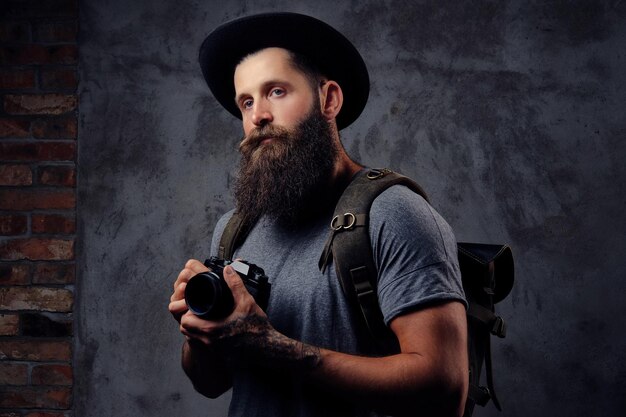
261 114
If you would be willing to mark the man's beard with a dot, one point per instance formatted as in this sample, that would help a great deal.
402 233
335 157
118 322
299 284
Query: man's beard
287 179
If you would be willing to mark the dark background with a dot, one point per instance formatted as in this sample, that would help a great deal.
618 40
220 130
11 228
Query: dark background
509 113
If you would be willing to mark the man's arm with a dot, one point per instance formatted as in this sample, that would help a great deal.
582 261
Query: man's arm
430 374
204 365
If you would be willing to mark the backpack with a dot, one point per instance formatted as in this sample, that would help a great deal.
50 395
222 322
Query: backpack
487 273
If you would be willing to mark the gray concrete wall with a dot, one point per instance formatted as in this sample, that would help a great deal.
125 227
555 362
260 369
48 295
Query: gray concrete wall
510 113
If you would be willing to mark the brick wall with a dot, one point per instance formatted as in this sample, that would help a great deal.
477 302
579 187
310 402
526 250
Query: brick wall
38 132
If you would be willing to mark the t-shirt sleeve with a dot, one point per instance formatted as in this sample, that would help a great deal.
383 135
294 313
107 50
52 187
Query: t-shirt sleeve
415 254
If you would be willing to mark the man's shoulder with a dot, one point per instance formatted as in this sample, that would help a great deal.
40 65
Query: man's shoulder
401 205
400 197
402 218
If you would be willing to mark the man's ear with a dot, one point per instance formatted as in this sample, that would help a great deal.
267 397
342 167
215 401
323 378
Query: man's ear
331 99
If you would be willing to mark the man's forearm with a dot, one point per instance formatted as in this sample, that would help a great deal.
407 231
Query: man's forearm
206 369
429 375
397 385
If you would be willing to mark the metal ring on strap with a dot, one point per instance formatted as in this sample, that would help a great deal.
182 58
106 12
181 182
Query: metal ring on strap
350 225
375 174
332 223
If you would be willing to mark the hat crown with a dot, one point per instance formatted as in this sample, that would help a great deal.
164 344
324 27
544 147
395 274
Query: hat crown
329 50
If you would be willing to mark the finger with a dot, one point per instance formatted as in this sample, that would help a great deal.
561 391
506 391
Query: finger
244 302
234 282
190 336
196 266
179 292
183 276
194 325
177 309
192 267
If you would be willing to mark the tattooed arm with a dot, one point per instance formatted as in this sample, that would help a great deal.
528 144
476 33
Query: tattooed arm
429 374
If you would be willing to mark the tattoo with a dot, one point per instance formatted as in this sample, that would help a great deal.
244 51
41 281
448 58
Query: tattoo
251 340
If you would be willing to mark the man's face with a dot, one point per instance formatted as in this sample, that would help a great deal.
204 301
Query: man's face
269 90
289 150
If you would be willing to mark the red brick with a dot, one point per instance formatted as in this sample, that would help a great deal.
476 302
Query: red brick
15 79
46 324
65 31
12 225
63 78
65 127
33 54
14 274
57 175
62 54
9 324
36 298
33 199
53 224
36 249
11 128
46 151
14 32
35 350
52 375
13 374
29 9
23 55
54 104
15 175
54 273
27 397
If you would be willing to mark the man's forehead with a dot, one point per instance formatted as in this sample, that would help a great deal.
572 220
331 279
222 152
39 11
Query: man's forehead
268 65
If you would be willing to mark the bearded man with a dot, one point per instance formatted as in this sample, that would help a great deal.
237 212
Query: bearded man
295 82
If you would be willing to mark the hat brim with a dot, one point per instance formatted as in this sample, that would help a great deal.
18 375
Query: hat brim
332 52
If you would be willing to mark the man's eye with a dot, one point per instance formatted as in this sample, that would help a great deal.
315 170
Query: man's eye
277 92
246 104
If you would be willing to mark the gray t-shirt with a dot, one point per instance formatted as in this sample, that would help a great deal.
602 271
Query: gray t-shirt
416 256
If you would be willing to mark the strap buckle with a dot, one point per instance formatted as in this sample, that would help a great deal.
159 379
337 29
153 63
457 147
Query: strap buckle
499 327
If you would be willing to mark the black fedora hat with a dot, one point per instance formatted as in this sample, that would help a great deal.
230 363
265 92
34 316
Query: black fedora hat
332 52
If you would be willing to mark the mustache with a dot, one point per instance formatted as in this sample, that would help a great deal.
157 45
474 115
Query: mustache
258 135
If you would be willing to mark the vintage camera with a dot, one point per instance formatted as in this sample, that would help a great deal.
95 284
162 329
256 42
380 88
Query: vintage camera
207 295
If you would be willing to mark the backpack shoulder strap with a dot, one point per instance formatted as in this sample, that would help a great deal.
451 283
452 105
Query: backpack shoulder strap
350 248
234 234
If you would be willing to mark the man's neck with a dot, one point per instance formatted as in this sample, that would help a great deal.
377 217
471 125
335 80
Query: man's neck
345 170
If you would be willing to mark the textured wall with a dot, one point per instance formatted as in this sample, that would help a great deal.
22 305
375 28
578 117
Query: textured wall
510 113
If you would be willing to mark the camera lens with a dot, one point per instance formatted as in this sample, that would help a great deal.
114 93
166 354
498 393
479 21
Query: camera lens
208 296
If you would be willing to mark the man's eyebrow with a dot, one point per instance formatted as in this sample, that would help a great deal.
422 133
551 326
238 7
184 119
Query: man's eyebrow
265 85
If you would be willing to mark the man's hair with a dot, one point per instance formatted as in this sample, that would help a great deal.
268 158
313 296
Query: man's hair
311 71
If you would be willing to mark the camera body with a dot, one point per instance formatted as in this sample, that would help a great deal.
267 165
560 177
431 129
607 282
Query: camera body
207 295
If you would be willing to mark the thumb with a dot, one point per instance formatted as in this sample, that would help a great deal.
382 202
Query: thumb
234 282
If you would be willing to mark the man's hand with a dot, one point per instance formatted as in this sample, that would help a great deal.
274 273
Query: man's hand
233 325
244 335
242 327
209 344
177 305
